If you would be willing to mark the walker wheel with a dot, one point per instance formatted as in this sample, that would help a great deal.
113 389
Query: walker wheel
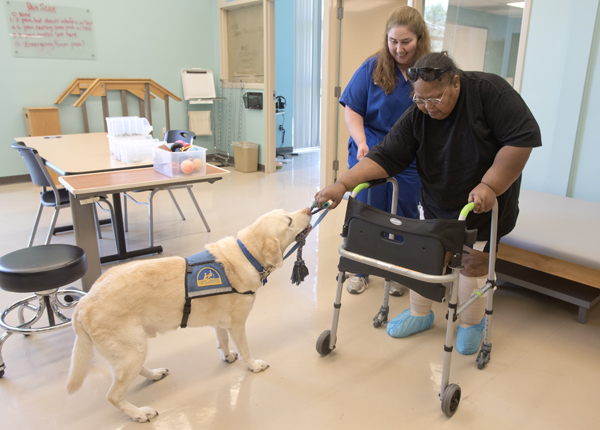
323 343
450 399
379 319
482 359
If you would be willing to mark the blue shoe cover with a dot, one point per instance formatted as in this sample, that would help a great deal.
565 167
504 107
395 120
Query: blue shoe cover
468 339
406 324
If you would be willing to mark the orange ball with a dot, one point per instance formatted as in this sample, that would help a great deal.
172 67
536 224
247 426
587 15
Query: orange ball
187 166
197 164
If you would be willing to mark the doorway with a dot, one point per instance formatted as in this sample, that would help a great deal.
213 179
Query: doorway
298 34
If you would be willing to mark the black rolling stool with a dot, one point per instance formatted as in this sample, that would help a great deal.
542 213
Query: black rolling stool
41 270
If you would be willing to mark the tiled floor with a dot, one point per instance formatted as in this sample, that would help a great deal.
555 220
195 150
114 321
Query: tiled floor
544 372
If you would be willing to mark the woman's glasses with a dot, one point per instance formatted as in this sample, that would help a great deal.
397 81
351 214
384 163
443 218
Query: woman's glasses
426 73
434 101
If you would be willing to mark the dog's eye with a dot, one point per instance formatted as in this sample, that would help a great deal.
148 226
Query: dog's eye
290 223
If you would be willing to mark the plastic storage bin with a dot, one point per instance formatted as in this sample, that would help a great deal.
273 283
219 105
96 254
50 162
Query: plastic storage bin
175 164
127 126
135 149
245 155
138 151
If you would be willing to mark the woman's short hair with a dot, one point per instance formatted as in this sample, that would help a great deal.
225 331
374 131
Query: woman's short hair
385 71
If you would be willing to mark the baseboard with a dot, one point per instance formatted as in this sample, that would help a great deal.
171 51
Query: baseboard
18 179
231 162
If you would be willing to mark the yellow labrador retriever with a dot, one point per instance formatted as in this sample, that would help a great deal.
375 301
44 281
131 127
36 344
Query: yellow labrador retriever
137 300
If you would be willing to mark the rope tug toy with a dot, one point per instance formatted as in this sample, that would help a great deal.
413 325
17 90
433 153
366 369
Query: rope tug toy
300 270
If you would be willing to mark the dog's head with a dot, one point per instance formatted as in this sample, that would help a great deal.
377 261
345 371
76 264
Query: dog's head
272 233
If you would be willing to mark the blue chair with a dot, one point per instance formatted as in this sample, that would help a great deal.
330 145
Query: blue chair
51 196
171 136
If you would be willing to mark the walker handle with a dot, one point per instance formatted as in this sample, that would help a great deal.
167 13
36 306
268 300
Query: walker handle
369 184
360 187
465 211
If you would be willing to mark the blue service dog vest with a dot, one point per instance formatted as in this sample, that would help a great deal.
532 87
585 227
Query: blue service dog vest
204 277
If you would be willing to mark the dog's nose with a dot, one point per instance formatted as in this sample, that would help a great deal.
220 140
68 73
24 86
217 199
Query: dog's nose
306 211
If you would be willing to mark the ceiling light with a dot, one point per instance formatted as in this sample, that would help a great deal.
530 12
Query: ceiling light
520 4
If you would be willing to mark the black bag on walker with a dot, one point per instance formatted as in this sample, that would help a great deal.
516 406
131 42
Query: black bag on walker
418 245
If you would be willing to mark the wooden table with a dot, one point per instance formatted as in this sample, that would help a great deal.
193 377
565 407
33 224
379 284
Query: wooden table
98 173
75 154
84 188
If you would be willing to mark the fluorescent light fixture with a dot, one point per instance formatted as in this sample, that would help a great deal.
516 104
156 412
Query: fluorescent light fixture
520 4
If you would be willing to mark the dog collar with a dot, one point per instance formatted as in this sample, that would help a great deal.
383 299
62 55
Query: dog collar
259 268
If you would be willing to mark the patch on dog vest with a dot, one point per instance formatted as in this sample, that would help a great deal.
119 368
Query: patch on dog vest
205 277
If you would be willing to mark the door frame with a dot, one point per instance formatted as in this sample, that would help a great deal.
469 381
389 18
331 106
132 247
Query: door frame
269 67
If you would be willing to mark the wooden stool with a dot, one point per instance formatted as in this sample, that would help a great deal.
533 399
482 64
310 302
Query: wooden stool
41 270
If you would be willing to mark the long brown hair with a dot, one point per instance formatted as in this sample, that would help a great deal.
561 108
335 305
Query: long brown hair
385 71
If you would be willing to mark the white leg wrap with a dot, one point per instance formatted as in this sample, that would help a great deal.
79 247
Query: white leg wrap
474 313
419 305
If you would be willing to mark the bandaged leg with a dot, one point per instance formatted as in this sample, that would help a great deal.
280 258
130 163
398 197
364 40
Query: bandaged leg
418 317
471 320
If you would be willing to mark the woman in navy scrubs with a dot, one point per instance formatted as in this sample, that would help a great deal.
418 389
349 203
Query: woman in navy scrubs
375 98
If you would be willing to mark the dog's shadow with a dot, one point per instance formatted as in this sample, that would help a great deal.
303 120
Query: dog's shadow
212 398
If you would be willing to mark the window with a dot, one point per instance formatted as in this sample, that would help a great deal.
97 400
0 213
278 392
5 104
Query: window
480 35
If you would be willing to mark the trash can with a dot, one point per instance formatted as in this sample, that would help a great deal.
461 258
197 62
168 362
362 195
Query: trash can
245 155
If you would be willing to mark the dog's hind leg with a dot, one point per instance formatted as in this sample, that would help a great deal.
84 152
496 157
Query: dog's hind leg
223 345
126 359
238 335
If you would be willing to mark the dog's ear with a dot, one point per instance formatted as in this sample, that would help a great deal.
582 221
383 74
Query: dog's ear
272 253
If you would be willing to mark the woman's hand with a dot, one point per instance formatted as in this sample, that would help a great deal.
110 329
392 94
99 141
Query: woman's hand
365 170
334 193
475 263
484 198
363 150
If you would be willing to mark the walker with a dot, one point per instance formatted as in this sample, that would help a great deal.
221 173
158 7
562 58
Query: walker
413 253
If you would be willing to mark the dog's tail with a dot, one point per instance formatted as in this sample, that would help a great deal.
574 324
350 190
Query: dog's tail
83 350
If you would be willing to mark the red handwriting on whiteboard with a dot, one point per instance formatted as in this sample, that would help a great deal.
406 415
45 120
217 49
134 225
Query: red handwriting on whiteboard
44 27
41 7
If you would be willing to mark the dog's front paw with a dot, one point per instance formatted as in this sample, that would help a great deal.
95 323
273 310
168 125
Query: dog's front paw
144 414
258 366
230 358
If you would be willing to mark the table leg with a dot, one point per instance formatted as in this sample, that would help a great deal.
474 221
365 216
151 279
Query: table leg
120 239
122 253
85 237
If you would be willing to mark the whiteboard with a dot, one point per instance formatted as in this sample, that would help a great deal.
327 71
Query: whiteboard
466 45
245 44
198 84
46 31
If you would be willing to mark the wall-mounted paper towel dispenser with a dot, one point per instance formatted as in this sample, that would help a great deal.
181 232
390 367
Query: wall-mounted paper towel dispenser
253 100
